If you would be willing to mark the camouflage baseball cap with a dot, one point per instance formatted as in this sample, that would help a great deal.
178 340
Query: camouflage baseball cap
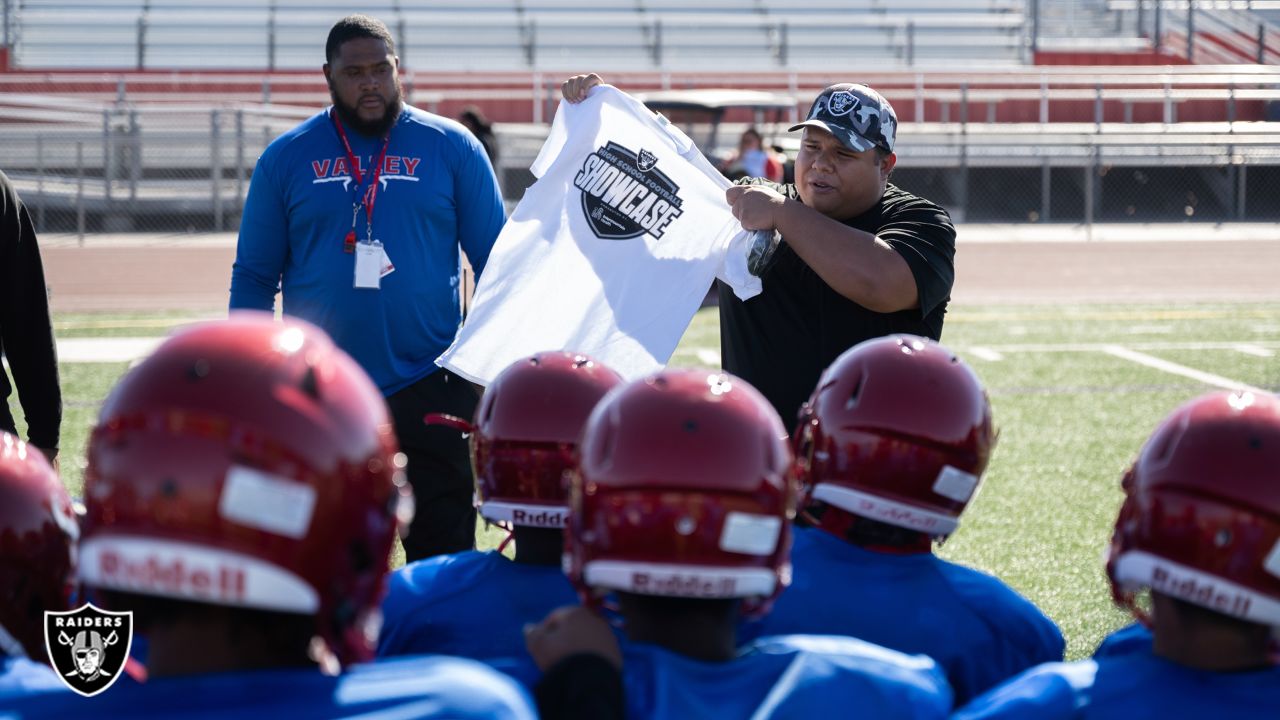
858 116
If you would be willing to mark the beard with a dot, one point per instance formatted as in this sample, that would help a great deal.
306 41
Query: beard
350 115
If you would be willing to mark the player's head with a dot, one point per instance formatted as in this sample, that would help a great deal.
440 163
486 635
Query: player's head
526 433
847 150
683 490
38 532
898 431
248 464
362 70
1201 516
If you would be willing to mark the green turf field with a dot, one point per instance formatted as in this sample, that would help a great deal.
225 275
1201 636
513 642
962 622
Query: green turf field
1075 390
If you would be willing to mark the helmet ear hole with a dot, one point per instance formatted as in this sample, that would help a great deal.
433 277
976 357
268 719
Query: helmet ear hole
310 384
853 393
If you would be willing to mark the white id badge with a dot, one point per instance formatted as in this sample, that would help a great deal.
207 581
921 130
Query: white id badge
387 267
369 263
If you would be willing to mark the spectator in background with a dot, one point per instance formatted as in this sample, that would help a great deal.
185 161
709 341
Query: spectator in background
1200 530
382 278
753 159
479 125
26 329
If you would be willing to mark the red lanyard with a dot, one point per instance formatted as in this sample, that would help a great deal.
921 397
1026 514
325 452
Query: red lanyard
371 193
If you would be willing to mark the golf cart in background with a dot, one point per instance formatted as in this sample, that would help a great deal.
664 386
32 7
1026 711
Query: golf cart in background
715 119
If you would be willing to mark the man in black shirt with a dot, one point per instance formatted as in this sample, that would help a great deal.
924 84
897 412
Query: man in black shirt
860 257
26 332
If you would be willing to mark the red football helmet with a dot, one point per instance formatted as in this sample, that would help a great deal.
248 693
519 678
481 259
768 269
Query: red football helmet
38 534
898 430
1201 516
683 489
248 463
526 432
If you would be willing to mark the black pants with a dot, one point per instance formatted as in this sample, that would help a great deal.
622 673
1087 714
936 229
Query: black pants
439 464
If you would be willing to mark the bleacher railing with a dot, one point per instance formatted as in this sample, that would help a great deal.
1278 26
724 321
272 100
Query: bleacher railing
145 152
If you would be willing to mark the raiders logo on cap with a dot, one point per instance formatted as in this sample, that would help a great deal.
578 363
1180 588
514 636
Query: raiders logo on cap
840 103
88 646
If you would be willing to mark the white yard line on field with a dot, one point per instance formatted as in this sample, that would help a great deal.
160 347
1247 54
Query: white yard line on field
105 350
1176 369
988 354
709 357
1254 350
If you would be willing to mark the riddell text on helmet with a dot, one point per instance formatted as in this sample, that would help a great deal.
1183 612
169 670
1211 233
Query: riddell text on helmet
897 515
174 577
546 518
1205 594
683 585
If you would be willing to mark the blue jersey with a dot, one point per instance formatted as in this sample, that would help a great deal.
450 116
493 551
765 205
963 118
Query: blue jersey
471 604
21 676
436 192
786 677
433 687
1135 684
978 629
1125 640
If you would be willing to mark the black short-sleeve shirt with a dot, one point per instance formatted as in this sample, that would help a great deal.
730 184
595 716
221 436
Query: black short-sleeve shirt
781 340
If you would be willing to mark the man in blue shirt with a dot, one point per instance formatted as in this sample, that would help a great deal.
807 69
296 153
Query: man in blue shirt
38 533
476 604
242 499
891 448
1199 529
680 507
357 216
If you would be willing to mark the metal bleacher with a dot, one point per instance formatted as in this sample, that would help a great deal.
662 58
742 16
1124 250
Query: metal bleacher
157 108
552 35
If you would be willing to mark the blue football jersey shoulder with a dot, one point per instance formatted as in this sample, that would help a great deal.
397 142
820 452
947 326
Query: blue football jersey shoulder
1122 687
20 676
978 629
470 604
1135 637
785 677
431 687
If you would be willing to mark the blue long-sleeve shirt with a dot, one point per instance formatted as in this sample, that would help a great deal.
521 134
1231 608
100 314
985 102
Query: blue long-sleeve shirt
436 193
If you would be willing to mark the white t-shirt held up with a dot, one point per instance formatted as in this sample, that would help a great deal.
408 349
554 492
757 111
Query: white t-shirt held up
610 252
